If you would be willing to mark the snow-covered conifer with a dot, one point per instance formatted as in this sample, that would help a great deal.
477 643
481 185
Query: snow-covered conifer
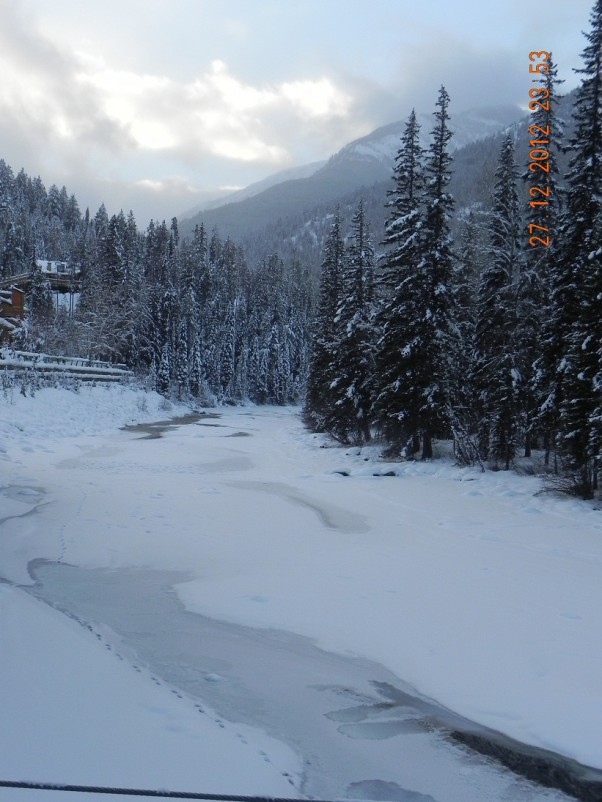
400 288
577 286
496 370
326 334
352 366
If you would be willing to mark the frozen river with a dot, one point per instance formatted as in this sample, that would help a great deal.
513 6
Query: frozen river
360 733
201 496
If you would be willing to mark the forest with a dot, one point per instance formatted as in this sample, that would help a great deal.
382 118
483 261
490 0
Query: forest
478 325
490 338
191 316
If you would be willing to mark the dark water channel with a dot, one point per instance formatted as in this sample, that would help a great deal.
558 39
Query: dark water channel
360 733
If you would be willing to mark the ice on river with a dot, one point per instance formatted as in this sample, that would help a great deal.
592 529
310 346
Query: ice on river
356 730
469 587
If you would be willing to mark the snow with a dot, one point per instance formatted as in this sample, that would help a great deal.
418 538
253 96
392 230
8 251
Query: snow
73 714
468 586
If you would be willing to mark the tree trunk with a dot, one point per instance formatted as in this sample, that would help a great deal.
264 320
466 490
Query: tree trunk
427 445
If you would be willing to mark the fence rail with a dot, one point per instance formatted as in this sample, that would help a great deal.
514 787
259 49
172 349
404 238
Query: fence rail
72 366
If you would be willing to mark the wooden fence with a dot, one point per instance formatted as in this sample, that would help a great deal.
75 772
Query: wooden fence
72 366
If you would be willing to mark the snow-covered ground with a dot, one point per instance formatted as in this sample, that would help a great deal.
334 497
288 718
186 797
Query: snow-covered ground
467 586
71 713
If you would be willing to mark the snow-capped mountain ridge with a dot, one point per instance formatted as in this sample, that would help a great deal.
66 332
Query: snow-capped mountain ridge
382 144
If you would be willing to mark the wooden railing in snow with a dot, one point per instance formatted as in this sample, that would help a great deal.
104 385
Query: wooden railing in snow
73 366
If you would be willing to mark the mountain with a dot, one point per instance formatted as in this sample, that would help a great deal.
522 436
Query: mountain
362 163
303 171
381 145
301 235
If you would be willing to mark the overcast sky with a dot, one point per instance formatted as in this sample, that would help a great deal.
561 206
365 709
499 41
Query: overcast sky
148 104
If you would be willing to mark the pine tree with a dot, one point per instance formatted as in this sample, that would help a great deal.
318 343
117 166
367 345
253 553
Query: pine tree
577 292
164 371
197 380
414 360
182 355
399 370
462 411
437 266
40 304
536 334
326 334
352 366
496 370
13 260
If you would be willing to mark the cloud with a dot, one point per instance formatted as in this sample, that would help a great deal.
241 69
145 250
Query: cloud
38 92
77 98
319 99
95 96
72 110
75 118
474 77
214 114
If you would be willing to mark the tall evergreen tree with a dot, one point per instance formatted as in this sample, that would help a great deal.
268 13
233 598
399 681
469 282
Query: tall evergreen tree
40 304
399 369
13 260
462 411
437 267
496 369
577 292
326 334
536 333
352 365
415 350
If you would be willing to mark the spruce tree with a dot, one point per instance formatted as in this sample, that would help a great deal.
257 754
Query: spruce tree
538 337
437 267
462 410
496 371
182 360
414 363
326 333
348 419
40 304
164 371
577 291
12 261
399 370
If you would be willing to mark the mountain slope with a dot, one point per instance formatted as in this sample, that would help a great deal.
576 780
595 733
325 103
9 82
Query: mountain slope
362 163
303 171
